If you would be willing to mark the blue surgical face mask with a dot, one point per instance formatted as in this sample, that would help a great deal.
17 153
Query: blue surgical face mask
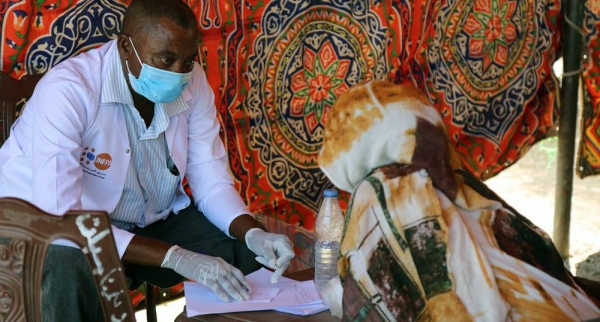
158 85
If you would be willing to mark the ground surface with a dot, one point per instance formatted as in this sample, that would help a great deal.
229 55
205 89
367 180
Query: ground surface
529 186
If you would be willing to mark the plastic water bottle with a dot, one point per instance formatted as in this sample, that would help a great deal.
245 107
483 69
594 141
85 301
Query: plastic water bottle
329 226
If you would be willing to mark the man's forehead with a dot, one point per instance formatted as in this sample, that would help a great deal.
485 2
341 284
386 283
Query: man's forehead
167 35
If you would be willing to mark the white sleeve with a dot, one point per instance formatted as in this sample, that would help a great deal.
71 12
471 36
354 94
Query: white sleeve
122 240
57 109
207 170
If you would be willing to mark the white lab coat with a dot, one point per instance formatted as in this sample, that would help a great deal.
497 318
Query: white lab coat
70 150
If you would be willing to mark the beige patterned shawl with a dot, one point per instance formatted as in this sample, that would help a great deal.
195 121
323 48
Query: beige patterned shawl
424 239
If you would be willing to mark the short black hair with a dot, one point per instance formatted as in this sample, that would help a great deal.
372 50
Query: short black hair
143 15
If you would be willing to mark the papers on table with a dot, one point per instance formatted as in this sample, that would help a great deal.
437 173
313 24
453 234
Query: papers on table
259 295
289 296
303 309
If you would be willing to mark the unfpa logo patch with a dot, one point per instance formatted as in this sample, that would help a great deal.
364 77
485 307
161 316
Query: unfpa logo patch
101 161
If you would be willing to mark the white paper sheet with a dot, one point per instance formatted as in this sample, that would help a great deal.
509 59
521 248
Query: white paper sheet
303 310
293 297
259 294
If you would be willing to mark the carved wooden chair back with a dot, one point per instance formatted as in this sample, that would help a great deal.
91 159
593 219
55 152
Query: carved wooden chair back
7 117
25 234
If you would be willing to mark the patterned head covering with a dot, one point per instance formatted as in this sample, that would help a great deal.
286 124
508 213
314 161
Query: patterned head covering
380 123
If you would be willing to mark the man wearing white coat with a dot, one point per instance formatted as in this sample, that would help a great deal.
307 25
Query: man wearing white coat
116 129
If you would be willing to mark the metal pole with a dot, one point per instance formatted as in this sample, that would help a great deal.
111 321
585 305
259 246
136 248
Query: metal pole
569 94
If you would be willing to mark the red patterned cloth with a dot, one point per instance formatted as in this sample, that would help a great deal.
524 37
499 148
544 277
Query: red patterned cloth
589 145
278 66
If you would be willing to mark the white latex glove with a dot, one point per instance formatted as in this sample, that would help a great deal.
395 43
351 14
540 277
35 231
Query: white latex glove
332 294
274 250
211 271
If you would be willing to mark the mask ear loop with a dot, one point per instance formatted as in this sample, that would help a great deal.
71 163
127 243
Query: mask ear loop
136 55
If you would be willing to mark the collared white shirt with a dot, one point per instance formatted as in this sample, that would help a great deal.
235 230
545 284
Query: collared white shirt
150 186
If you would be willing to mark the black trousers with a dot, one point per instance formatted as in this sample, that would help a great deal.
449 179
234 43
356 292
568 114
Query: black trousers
191 230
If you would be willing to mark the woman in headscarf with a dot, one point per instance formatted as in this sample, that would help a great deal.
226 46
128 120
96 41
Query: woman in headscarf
424 239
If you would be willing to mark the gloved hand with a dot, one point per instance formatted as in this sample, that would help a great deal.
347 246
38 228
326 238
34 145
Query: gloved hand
274 250
211 271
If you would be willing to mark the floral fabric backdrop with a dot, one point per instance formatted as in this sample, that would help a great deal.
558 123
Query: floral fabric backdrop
277 66
589 145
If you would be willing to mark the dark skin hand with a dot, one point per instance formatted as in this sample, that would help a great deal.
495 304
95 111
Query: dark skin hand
172 48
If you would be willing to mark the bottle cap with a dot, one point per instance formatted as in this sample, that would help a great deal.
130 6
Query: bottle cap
330 193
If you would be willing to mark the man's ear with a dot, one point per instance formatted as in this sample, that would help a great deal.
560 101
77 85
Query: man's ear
124 46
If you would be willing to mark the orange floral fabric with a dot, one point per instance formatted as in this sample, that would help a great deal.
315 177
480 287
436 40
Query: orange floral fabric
277 67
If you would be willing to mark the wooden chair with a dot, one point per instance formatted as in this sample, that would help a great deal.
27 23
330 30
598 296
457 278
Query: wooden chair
25 234
11 92
7 117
